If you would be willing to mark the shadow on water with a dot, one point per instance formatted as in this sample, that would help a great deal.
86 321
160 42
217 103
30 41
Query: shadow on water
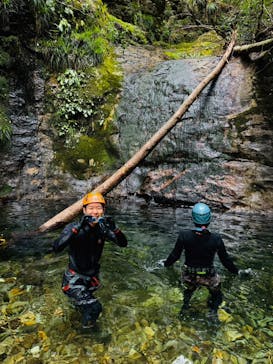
141 299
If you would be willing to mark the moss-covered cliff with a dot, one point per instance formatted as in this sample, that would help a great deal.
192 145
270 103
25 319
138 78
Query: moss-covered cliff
71 44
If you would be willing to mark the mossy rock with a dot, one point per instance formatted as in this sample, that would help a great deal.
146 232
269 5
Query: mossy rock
88 157
5 190
102 79
206 45
127 32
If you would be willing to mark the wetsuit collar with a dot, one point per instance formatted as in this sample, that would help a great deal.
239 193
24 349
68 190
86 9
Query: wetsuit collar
201 230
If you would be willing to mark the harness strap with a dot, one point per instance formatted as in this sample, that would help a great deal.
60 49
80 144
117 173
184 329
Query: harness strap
78 275
200 270
94 282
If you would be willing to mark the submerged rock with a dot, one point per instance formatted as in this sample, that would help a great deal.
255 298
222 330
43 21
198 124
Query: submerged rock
181 360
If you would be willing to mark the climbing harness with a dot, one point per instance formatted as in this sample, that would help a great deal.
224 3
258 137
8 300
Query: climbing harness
80 281
204 271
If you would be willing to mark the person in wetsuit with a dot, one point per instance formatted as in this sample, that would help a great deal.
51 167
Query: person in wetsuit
85 241
200 246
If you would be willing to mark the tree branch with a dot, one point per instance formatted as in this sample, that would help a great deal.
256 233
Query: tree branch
254 47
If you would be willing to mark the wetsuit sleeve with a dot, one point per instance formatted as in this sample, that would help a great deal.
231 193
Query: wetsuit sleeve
65 238
225 258
176 252
115 234
121 239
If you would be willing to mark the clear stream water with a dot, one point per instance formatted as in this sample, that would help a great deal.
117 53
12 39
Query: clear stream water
140 322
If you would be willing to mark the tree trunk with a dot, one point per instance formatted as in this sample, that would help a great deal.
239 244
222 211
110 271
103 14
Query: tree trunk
254 47
72 211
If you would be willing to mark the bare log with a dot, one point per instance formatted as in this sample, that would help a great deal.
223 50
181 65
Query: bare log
254 47
72 211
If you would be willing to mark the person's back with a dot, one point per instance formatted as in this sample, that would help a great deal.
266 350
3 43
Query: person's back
200 247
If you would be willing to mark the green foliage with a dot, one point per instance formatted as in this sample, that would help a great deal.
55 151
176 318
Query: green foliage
247 20
125 33
69 33
5 127
71 106
175 21
75 50
85 37
85 99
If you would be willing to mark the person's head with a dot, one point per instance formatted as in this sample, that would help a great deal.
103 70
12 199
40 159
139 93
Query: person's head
93 204
201 214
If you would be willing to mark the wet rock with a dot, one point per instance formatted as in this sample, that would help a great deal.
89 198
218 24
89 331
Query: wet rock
225 127
28 319
135 58
229 124
15 308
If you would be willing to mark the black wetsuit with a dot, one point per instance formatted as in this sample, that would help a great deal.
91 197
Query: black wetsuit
85 247
200 249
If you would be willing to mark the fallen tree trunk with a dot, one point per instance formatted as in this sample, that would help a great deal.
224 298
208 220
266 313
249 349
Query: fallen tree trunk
72 211
254 47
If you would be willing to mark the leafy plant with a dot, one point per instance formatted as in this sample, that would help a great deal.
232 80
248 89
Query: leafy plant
5 127
71 106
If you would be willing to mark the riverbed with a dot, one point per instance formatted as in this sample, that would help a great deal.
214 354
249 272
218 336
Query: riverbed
141 299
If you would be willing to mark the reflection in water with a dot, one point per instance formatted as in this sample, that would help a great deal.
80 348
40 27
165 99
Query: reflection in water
141 299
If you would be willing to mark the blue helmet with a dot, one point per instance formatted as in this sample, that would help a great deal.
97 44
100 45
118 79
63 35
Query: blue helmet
201 214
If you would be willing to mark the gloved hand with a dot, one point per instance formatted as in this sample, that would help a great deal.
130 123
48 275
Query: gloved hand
84 221
107 227
245 272
161 262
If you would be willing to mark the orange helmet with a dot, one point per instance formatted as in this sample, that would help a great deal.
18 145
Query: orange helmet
92 197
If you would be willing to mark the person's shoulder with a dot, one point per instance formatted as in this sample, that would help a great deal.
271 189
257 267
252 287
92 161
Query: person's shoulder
69 226
72 224
215 235
185 232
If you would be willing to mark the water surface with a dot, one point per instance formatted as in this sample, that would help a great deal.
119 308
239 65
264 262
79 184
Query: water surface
140 322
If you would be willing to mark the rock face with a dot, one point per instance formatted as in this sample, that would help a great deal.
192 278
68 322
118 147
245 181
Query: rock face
26 162
221 151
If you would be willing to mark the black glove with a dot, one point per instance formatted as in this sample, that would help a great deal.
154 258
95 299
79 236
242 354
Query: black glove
85 220
107 227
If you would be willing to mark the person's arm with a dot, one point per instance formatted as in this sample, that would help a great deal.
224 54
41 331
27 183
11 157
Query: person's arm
175 253
112 232
69 233
225 258
64 239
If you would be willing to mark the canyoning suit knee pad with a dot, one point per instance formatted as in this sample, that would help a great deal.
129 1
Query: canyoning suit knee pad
80 288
